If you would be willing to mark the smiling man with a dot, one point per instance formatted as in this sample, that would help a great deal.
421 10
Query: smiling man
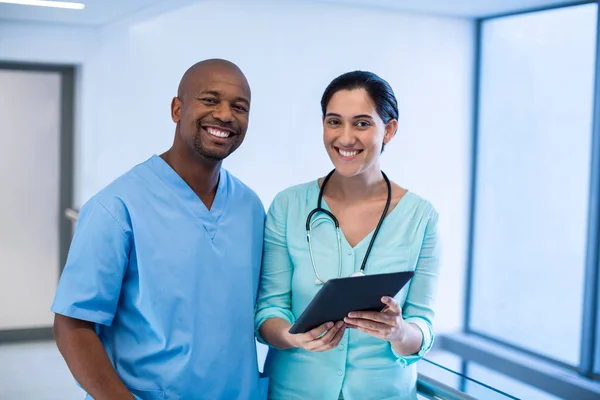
157 298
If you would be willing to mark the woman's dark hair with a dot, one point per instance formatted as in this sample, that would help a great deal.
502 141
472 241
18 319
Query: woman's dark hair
378 89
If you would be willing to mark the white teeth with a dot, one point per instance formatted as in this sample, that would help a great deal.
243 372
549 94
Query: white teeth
217 132
348 153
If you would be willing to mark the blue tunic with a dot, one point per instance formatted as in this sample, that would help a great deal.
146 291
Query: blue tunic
361 367
170 284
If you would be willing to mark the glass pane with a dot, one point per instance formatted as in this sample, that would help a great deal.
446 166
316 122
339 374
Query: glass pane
445 368
536 98
493 378
597 357
449 360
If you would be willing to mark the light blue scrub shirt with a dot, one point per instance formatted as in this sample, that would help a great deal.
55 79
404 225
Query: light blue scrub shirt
361 367
170 284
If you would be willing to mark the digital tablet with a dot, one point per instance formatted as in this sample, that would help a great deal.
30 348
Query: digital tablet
340 296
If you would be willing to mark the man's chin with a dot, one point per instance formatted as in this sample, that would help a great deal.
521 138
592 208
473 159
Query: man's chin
214 156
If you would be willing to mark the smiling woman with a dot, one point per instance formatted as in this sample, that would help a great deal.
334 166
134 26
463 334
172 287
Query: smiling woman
363 87
383 228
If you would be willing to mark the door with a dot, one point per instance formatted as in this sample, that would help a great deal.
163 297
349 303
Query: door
32 182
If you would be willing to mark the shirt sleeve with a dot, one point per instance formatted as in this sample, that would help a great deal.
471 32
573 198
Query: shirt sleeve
418 308
90 284
275 288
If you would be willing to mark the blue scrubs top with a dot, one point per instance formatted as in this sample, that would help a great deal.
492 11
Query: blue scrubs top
170 284
362 366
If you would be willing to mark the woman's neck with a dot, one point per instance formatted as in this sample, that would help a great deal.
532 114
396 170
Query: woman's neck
367 185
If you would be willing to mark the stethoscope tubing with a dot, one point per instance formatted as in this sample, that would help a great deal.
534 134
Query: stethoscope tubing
320 209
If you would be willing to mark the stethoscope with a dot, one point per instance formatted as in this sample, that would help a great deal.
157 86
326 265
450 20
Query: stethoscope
320 209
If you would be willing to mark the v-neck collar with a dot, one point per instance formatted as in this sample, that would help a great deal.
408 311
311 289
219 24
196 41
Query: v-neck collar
208 218
369 235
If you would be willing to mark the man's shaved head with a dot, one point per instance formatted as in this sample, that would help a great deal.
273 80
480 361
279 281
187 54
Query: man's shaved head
211 109
207 67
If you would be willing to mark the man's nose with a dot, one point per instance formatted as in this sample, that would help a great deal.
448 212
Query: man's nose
223 112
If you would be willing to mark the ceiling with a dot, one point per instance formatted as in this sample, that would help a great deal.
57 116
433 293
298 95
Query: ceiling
96 12
100 12
457 8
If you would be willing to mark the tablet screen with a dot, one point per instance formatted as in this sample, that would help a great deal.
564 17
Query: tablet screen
340 296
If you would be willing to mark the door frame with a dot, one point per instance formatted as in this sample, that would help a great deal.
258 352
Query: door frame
67 74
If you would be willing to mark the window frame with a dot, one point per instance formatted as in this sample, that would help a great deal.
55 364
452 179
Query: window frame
588 370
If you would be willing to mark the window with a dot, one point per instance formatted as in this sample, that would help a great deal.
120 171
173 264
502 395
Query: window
532 186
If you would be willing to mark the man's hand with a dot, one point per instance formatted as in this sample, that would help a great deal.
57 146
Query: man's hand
87 360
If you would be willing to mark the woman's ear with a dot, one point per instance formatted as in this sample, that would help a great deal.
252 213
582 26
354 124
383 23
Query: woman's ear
390 131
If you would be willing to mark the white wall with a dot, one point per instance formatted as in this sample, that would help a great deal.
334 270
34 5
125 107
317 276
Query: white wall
290 52
56 44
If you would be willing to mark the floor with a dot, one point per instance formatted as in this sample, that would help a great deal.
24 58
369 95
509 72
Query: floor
35 371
